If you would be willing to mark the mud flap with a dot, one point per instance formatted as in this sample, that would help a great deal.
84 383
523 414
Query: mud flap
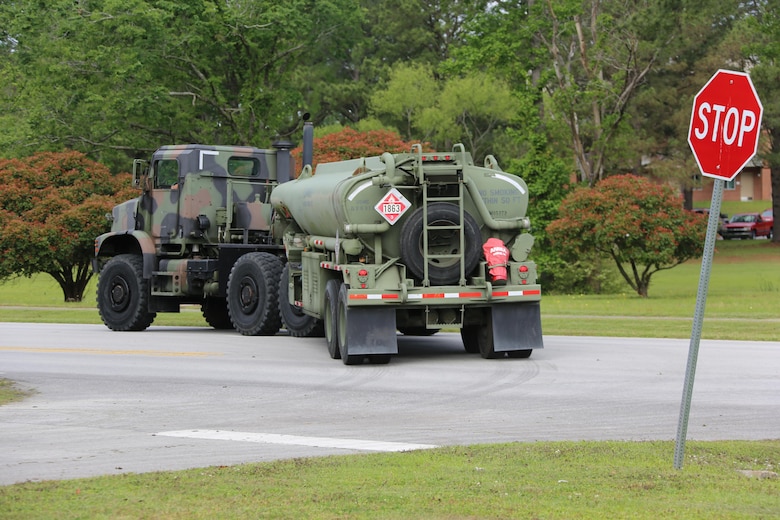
517 326
371 331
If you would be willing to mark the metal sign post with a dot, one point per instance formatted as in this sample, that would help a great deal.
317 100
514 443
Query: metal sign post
698 319
723 135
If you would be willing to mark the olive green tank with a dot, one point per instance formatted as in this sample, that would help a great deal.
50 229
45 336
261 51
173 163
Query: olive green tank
368 202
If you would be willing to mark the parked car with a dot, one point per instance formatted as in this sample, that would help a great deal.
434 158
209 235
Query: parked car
747 225
724 219
767 215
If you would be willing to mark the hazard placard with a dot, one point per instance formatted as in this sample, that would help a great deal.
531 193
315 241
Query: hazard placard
392 206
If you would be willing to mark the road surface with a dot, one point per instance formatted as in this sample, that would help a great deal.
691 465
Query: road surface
173 398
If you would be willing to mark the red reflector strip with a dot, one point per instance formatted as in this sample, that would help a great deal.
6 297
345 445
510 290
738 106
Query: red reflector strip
373 296
532 292
431 296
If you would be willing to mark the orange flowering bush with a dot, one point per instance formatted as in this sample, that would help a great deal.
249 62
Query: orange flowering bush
52 206
351 144
641 225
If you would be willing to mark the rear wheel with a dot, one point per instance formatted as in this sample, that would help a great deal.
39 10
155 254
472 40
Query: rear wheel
215 312
253 294
296 322
341 329
331 317
469 336
123 294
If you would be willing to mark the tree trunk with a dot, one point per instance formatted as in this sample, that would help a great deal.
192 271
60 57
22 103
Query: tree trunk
73 281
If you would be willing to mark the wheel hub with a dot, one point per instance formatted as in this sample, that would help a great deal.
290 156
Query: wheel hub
248 295
119 295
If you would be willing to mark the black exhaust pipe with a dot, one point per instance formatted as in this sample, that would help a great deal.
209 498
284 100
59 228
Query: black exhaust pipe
308 143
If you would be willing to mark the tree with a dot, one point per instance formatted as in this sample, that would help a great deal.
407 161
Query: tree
113 78
765 53
410 90
642 226
52 206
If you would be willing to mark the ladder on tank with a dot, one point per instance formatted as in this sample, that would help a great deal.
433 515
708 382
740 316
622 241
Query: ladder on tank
443 178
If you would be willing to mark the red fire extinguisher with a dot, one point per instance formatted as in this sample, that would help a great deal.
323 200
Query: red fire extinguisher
496 254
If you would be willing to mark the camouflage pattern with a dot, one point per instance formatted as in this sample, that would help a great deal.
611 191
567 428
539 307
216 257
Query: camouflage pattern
194 199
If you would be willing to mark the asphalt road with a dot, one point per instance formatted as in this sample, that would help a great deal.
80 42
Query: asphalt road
175 398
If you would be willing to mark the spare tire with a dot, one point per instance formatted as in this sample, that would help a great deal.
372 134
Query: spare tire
441 271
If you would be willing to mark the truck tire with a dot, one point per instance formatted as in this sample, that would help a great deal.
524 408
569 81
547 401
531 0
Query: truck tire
253 294
297 323
123 294
440 271
469 335
216 314
332 289
478 337
341 329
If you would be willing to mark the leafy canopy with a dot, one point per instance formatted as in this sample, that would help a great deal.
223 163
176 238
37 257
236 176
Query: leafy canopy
641 225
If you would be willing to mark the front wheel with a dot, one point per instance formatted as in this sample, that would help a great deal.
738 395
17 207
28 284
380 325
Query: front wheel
123 294
253 294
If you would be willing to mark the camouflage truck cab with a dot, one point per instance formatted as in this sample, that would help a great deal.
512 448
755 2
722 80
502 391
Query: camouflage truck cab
203 217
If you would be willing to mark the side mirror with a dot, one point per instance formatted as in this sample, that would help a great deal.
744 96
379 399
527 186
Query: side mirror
140 173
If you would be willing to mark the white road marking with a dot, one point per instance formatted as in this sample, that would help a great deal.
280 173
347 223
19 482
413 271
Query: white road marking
318 442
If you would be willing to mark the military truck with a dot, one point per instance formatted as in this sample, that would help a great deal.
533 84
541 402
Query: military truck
354 251
412 242
199 233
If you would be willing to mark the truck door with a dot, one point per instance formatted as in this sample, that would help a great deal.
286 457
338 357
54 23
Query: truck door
165 201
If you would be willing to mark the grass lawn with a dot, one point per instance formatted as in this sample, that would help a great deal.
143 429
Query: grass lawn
742 302
550 480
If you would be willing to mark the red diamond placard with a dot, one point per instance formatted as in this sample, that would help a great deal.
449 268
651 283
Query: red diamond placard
392 206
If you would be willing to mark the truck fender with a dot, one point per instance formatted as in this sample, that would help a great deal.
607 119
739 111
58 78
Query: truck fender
131 241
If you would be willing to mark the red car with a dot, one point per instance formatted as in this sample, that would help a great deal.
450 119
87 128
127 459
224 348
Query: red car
747 225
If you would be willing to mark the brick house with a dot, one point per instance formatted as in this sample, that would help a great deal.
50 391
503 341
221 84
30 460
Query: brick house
754 182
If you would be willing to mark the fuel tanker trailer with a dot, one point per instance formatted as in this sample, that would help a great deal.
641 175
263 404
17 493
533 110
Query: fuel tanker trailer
411 242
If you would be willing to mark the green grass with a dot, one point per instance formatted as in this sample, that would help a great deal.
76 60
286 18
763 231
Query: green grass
550 480
732 207
10 392
741 302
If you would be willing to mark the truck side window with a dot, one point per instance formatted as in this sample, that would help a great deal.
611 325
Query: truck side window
166 173
243 166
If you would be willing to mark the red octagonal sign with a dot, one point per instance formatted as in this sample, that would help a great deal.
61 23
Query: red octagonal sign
725 124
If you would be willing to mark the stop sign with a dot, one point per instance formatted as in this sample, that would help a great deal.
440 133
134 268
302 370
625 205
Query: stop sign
725 124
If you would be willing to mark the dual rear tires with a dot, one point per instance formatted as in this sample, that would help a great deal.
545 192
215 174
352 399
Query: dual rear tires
336 324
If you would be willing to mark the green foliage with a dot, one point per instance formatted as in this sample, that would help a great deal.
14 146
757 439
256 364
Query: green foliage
410 90
109 77
640 225
556 480
52 206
